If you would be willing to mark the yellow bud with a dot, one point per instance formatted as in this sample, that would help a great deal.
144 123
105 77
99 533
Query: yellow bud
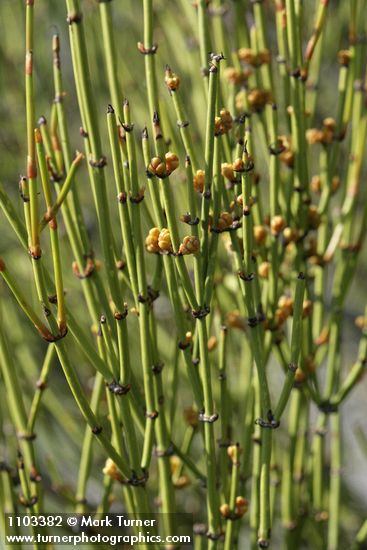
226 119
174 463
172 162
264 269
287 157
289 234
361 322
235 320
285 303
164 240
344 57
235 76
239 200
188 337
316 184
313 135
329 123
241 501
172 80
258 98
310 364
233 452
212 343
223 123
110 469
277 225
242 505
335 184
238 165
324 136
322 516
327 136
190 245
299 376
247 55
182 482
313 217
323 337
227 171
280 316
259 234
199 180
154 163
151 242
307 308
157 167
224 510
191 417
263 57
225 220
217 125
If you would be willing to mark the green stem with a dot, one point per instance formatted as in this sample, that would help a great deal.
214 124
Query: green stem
41 386
296 340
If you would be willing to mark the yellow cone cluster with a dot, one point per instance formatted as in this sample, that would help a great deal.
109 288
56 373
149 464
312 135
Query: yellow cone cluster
240 510
325 135
158 241
228 172
225 221
223 123
249 56
316 184
163 168
237 76
234 319
257 99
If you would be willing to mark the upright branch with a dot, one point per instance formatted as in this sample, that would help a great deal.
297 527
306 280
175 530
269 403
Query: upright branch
209 154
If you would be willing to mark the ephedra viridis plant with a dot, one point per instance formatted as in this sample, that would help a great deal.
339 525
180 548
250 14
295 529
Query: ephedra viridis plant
233 135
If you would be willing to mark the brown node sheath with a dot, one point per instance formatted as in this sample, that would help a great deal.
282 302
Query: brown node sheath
29 63
74 18
53 224
147 51
31 168
56 50
88 271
